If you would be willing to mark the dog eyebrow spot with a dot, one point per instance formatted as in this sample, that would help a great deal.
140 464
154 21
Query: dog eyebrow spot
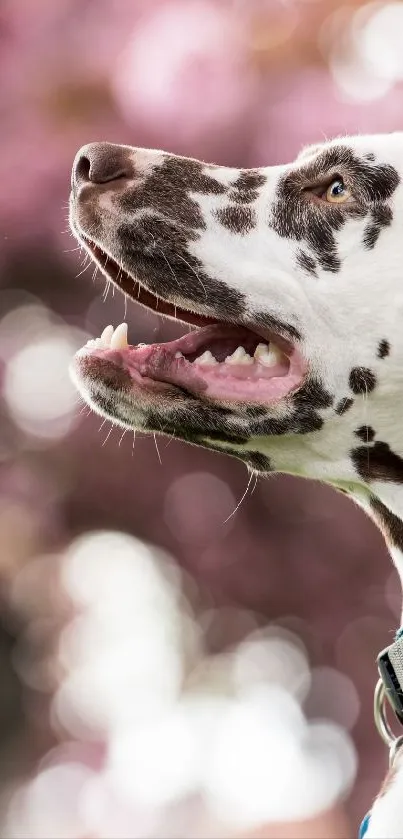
383 349
362 380
365 433
237 219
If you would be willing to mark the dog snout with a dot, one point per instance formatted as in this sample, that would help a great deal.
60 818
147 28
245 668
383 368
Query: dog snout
101 163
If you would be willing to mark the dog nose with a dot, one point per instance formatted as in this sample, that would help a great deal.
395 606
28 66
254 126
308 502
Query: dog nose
99 163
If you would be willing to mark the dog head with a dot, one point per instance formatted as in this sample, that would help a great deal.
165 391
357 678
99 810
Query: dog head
292 277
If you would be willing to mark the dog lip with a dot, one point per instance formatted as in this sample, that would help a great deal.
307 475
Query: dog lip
131 286
128 284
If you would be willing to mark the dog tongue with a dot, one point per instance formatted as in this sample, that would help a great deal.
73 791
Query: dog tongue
220 362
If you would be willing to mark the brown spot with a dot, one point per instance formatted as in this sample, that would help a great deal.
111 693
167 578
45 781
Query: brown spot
108 372
246 187
237 219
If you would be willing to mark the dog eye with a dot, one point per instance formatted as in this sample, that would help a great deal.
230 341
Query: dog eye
337 192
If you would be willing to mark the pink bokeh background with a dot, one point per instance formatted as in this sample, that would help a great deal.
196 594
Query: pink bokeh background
237 82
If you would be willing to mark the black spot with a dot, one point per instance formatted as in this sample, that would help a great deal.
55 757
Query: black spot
362 380
383 348
314 393
238 220
391 525
246 187
303 416
370 156
194 421
365 433
381 217
378 463
302 421
344 405
306 262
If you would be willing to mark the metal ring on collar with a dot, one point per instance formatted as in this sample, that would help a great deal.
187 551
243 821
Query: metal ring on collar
381 720
393 743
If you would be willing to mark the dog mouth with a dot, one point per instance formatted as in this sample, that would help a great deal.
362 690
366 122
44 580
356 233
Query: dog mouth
219 361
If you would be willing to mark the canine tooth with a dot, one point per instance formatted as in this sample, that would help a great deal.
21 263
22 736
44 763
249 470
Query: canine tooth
239 356
119 337
107 335
178 355
206 358
268 355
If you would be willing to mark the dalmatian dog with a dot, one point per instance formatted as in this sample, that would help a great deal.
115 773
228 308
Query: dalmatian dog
291 279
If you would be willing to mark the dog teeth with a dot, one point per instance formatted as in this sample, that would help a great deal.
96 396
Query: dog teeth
95 344
178 355
107 335
239 356
269 356
119 338
111 339
206 358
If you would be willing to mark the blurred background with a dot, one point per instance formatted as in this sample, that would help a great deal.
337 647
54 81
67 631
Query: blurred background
170 667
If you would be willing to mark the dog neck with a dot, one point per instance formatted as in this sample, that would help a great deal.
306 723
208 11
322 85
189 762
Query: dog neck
358 453
386 510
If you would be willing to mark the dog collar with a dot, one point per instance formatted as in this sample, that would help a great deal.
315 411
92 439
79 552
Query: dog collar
389 690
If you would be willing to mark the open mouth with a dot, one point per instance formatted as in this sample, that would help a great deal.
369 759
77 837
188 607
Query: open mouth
219 361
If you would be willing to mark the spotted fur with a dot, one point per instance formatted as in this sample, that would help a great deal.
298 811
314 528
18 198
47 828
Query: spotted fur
263 249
